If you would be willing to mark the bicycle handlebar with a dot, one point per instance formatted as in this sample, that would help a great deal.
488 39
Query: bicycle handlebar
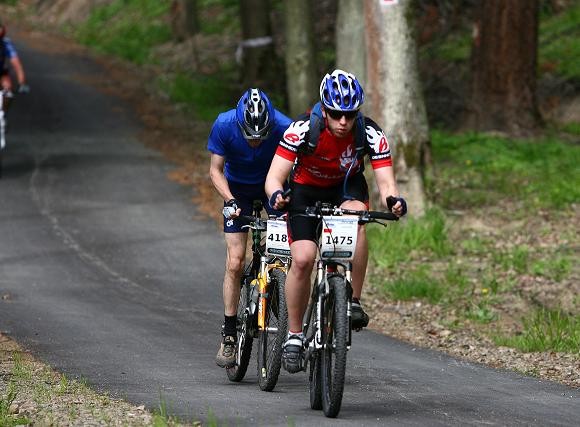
321 209
255 222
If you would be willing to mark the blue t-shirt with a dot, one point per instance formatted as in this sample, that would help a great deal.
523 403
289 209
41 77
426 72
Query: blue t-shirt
10 50
243 163
7 51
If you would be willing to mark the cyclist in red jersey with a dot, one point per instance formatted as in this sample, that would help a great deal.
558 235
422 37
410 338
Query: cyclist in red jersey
328 170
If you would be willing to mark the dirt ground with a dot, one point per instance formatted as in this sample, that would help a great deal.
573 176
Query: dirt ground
183 142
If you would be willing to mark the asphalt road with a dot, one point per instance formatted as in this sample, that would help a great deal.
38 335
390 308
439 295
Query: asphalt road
113 276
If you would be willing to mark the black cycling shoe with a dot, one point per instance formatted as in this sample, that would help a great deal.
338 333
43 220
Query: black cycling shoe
226 356
358 316
293 354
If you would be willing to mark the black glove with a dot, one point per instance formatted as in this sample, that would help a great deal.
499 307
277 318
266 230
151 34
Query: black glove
392 201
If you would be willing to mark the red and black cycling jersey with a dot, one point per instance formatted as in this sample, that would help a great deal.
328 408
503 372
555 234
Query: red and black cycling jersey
330 161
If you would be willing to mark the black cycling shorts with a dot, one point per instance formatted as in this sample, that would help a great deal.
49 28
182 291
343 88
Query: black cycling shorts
245 194
302 228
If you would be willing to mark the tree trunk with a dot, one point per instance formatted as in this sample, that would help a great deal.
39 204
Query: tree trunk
259 65
350 39
396 98
504 59
301 78
184 19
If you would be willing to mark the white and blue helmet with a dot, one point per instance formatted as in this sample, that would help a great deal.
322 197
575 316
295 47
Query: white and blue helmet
255 114
341 91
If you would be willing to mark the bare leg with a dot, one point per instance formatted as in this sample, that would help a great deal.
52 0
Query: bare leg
298 282
361 257
235 259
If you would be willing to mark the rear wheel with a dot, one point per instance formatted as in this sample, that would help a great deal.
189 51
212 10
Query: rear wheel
334 338
271 339
245 334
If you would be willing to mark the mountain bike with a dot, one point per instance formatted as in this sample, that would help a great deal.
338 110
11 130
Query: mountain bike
327 322
262 309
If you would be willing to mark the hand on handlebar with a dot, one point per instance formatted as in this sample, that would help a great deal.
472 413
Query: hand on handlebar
397 205
23 88
280 199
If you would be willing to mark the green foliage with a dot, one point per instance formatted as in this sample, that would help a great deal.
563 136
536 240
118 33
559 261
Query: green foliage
127 28
205 95
456 281
481 312
455 48
546 330
415 237
475 245
557 268
20 370
415 284
224 16
6 418
559 42
476 169
573 128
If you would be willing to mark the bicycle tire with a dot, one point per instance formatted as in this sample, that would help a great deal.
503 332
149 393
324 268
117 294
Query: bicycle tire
245 334
315 381
334 338
270 343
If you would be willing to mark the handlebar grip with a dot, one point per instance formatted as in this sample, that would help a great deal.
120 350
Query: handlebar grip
389 216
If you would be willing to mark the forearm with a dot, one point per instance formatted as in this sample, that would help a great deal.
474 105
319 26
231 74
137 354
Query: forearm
221 184
273 184
386 183
277 175
18 70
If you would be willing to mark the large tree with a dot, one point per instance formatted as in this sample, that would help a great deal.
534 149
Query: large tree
395 93
259 65
301 78
504 56
184 19
350 39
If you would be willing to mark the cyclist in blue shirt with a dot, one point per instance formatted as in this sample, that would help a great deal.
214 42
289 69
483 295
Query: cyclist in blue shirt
242 143
9 58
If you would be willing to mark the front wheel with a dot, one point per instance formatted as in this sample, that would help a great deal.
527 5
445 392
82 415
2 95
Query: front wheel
271 339
334 339
245 334
315 381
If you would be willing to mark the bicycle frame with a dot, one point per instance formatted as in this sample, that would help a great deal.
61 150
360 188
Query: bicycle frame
262 264
262 309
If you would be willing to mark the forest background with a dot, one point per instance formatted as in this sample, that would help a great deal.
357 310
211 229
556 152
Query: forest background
480 101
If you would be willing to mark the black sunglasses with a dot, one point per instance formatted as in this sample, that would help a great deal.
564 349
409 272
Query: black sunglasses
337 115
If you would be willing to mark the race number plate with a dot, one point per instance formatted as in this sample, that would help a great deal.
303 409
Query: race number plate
338 238
277 238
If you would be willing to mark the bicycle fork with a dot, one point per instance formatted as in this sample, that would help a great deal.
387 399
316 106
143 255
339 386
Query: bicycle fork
323 291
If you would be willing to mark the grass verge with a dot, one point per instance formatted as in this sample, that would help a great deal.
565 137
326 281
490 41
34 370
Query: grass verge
546 330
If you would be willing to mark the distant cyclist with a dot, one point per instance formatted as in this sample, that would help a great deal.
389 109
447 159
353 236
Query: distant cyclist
323 165
9 59
242 143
